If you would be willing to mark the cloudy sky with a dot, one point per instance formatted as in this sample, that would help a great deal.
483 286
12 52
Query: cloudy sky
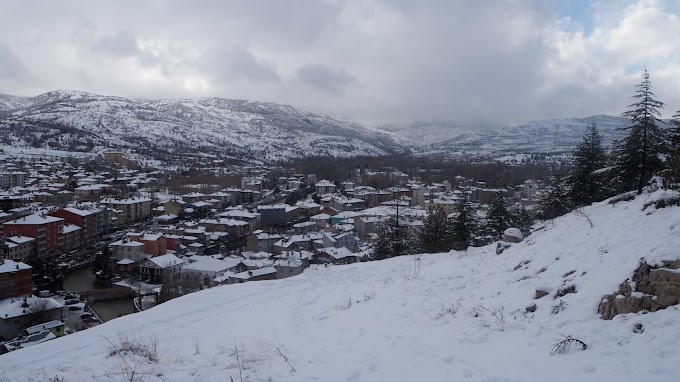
374 61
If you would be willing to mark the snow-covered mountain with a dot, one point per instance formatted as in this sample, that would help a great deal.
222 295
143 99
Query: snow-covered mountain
551 136
10 102
264 132
248 130
454 316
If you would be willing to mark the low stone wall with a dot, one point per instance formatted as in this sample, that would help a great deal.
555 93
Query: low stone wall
652 288
106 294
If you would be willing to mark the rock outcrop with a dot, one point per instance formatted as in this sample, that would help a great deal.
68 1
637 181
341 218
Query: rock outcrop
512 235
652 288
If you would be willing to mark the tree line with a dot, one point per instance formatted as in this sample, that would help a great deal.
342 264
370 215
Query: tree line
651 148
442 232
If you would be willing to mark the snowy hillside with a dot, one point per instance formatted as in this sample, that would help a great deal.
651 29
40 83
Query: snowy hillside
552 136
10 102
256 131
263 132
442 317
431 134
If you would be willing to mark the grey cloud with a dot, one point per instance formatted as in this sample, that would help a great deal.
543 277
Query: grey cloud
11 66
122 43
322 77
230 66
376 61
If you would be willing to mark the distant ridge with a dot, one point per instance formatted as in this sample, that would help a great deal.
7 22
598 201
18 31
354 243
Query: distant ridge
246 130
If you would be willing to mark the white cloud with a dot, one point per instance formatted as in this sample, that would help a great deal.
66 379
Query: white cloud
371 60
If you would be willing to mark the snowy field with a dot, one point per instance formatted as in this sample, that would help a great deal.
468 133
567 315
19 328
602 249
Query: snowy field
443 317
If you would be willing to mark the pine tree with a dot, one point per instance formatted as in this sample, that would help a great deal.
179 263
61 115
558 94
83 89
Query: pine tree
394 239
521 219
437 232
464 226
673 160
497 217
556 203
638 154
585 184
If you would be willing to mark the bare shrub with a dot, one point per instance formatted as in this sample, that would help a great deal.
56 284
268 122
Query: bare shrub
563 345
413 270
139 345
369 296
197 346
559 307
285 358
497 314
137 358
447 310
581 212
344 305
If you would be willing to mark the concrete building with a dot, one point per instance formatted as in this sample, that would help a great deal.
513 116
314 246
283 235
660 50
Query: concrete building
15 279
11 179
131 209
46 230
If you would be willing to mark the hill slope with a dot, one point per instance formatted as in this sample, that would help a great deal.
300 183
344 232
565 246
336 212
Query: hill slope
443 317
257 131
552 136
10 102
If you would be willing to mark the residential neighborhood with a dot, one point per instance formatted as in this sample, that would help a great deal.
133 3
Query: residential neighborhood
138 231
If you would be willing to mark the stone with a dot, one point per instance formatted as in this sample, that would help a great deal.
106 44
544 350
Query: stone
512 235
540 293
651 289
531 308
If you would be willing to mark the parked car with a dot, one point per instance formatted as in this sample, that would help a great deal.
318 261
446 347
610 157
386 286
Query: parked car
71 302
75 307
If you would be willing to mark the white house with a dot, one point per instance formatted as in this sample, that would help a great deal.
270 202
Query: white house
156 268
208 268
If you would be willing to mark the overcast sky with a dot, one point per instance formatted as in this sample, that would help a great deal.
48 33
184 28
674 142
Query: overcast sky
374 61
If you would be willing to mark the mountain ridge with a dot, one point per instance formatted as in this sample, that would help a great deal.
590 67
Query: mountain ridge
266 132
249 130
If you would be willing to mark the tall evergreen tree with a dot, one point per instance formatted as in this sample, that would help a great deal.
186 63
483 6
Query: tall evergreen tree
437 232
464 226
638 154
585 184
556 203
673 160
521 219
497 217
394 238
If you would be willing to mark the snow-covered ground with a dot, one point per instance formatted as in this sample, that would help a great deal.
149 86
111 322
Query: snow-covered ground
441 317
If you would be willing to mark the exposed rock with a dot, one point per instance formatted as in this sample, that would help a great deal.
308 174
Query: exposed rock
501 246
531 308
651 289
637 328
568 273
512 235
540 293
564 290
521 264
